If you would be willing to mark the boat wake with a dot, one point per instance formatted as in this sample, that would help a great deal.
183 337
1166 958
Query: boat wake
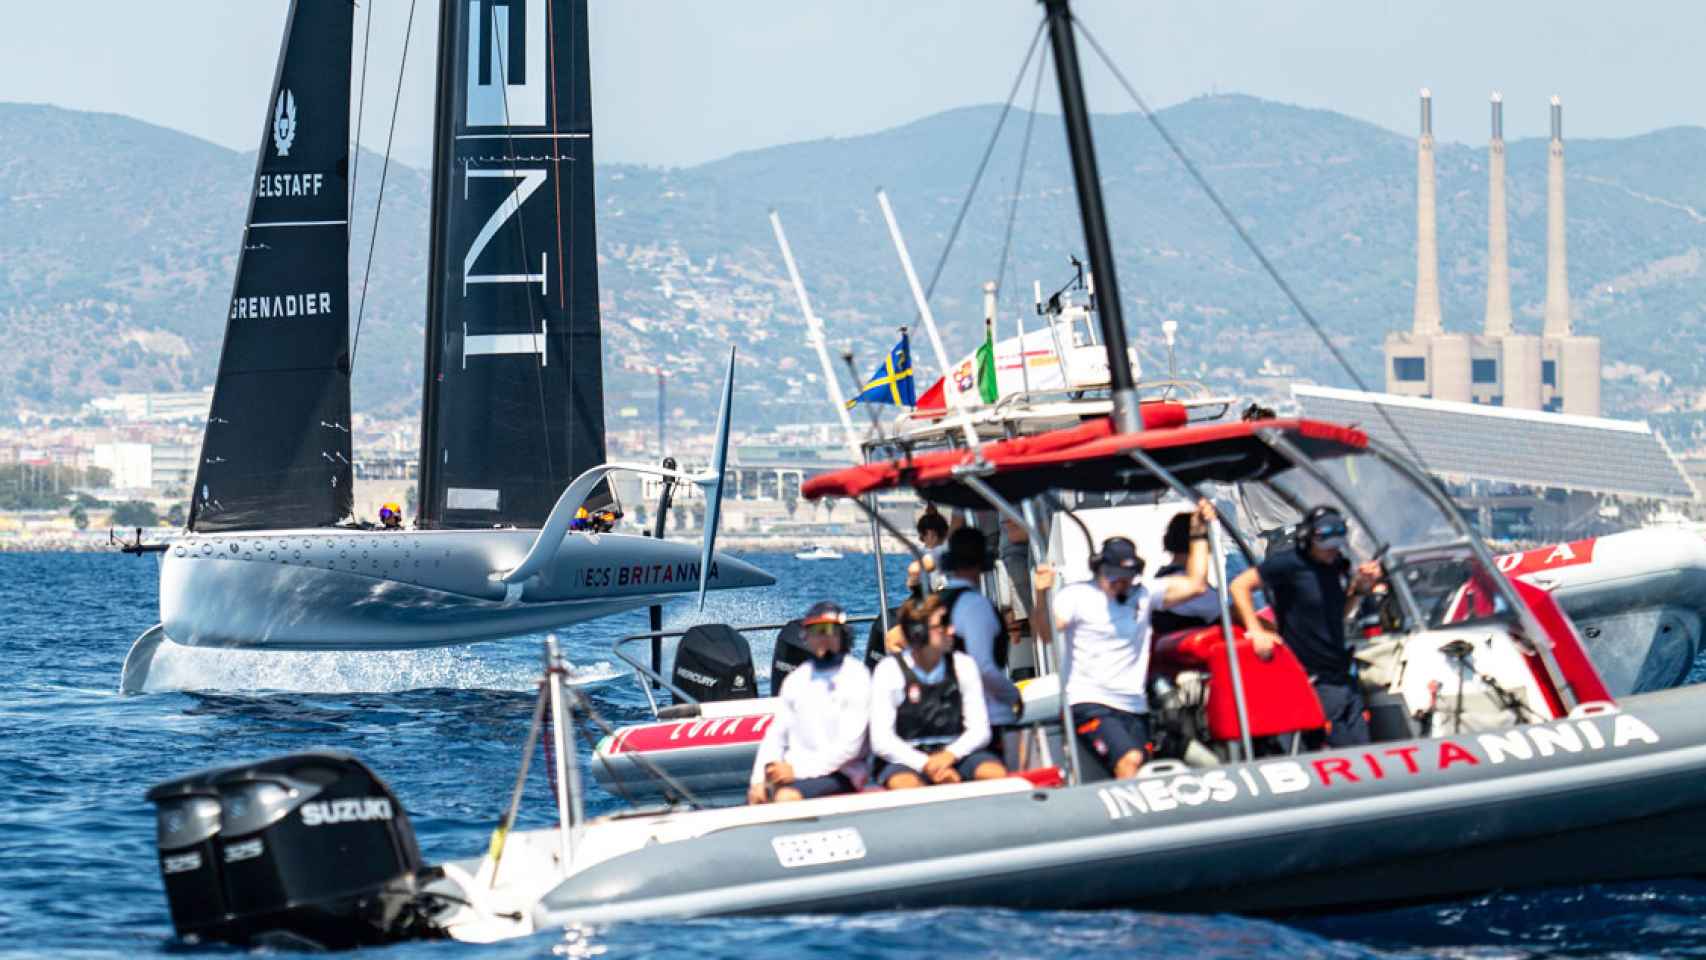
178 669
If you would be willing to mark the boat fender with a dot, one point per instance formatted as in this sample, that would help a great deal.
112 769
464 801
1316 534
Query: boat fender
1594 708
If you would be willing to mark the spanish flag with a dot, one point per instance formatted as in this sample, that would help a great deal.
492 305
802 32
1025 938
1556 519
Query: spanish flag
892 382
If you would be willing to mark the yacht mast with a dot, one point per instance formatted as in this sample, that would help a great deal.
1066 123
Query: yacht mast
1083 149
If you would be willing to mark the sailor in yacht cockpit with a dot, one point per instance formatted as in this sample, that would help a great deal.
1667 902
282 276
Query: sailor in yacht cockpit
391 516
1104 626
929 719
1312 589
815 745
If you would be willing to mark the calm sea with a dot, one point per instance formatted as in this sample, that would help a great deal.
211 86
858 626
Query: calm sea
443 727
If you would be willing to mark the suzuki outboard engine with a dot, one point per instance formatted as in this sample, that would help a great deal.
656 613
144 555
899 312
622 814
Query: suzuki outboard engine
714 662
309 849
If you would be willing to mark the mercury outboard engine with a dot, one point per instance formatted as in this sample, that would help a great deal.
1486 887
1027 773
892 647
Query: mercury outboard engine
309 849
790 652
714 662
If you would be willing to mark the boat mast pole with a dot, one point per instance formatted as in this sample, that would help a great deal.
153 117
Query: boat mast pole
1089 183
568 767
814 333
443 177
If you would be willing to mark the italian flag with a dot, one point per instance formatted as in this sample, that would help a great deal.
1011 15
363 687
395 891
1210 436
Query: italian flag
987 389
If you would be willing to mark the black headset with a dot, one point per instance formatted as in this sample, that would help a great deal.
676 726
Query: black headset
1308 530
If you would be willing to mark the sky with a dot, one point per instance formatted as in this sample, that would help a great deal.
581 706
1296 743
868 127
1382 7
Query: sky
680 82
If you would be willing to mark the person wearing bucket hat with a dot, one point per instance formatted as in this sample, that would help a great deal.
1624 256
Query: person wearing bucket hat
1104 626
1312 589
816 743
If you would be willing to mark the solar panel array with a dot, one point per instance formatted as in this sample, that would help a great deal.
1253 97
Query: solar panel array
1468 441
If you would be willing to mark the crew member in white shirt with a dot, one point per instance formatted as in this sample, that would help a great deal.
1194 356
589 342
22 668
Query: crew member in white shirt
929 723
977 628
815 745
1105 630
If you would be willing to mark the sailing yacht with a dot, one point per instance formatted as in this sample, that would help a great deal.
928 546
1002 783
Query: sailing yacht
512 433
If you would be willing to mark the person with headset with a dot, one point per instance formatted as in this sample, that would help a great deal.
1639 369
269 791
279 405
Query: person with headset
1312 589
1104 626
929 720
815 745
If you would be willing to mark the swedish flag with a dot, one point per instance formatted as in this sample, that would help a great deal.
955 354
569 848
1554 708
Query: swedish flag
892 383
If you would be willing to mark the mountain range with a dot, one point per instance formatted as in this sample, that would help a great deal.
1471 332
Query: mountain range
120 238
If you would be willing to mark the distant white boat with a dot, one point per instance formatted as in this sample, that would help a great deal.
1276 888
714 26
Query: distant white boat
819 553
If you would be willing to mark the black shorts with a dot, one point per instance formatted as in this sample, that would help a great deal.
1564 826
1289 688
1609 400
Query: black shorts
1109 733
966 768
813 787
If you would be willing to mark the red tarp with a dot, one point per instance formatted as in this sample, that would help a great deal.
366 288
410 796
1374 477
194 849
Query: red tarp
1091 457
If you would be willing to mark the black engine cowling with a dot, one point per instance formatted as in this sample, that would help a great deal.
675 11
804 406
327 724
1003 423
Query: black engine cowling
714 662
304 849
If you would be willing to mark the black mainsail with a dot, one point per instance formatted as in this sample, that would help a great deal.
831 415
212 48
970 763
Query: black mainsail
513 407
276 453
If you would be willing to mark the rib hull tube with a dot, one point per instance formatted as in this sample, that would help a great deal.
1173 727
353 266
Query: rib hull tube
1602 798
368 590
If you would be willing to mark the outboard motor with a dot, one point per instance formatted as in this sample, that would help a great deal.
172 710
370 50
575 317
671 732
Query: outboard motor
714 662
790 652
309 849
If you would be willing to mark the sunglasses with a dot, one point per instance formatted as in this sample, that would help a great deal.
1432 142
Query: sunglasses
825 629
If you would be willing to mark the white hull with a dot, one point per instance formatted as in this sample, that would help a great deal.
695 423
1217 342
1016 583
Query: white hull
1638 598
341 589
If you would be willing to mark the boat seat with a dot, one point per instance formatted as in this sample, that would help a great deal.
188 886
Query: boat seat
1277 692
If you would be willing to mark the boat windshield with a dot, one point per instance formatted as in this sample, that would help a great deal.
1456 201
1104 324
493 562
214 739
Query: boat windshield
1390 518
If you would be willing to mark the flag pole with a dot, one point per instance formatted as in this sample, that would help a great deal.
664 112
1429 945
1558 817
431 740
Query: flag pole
814 333
923 309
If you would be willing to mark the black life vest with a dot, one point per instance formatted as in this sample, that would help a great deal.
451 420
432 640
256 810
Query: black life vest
929 711
950 597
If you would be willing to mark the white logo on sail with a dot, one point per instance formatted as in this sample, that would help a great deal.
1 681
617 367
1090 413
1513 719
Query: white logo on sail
284 123
506 78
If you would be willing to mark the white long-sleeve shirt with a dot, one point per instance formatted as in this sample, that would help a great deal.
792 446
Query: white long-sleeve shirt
888 689
977 626
819 724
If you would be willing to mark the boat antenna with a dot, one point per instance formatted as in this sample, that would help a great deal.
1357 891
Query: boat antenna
1243 235
1058 17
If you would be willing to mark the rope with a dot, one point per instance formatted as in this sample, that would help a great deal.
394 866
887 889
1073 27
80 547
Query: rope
1244 235
982 164
360 107
384 171
1019 180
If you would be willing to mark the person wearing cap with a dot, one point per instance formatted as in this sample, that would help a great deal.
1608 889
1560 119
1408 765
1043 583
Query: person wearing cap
977 628
929 721
1199 611
1104 626
816 743
391 516
1312 589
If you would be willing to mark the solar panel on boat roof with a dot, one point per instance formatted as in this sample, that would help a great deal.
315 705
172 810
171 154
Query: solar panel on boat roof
1618 457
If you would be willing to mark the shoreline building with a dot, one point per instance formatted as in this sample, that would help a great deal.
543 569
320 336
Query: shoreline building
1556 371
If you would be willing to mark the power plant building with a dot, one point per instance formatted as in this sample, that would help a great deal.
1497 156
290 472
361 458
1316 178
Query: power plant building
1556 371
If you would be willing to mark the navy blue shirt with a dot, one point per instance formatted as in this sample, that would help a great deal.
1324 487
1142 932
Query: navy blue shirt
1309 602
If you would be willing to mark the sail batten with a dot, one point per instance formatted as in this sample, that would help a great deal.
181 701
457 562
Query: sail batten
276 452
513 400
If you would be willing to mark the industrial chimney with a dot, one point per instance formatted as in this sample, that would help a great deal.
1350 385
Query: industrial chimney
1498 247
1557 267
1427 316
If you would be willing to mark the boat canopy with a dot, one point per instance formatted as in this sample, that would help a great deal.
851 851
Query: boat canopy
1092 457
